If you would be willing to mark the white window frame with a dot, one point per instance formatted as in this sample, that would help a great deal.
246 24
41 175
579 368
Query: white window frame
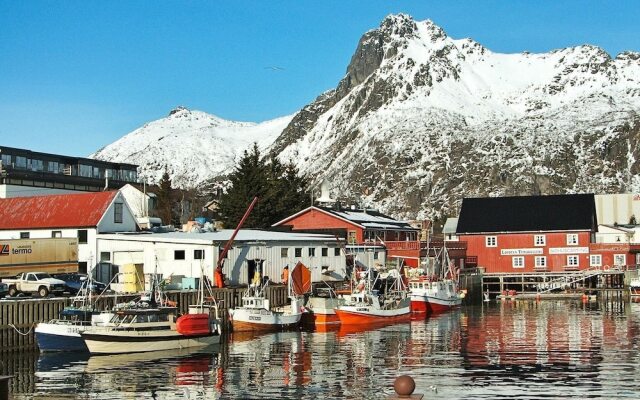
539 240
541 262
517 261
573 257
595 260
491 241
572 239
616 260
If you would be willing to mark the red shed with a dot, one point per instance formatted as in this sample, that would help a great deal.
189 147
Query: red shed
361 227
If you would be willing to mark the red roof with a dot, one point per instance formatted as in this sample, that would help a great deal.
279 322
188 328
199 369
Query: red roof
58 211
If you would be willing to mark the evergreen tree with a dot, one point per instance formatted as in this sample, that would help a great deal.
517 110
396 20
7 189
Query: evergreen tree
281 192
165 198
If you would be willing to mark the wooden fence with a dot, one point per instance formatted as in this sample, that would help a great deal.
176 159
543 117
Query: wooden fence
18 318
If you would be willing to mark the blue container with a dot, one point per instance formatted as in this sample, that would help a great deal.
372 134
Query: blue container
201 220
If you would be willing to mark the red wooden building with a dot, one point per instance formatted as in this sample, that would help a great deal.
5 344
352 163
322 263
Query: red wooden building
529 233
362 229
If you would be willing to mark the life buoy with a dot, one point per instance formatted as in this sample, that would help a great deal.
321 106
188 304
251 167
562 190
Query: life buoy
360 287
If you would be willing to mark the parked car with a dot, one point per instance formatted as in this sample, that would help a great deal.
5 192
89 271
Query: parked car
4 289
74 282
34 282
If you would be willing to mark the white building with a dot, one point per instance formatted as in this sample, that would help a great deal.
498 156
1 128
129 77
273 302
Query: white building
187 253
617 208
80 215
142 205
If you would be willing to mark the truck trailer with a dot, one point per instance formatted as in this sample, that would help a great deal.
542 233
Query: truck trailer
54 256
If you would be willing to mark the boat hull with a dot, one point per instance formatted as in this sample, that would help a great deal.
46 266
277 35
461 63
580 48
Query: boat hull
317 318
55 337
143 341
432 305
247 320
356 315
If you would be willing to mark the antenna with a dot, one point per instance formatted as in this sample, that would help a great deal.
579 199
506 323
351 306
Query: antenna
324 193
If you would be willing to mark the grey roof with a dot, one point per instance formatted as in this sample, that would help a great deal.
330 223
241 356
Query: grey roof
244 235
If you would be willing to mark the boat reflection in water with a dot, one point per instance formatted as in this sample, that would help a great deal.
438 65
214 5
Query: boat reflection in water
497 350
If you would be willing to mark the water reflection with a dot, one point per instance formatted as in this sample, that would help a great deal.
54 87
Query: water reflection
497 350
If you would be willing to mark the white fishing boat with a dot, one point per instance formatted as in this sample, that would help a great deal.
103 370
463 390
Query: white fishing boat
437 290
256 314
374 301
149 326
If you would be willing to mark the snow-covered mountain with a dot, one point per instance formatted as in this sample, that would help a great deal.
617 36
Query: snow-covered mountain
192 145
422 120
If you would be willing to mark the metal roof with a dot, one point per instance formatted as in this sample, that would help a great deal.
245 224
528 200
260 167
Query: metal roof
244 235
528 214
80 210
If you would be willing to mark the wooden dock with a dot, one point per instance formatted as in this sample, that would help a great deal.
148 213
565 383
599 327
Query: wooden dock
18 317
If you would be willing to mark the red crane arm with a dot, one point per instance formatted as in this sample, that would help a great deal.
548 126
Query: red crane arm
235 232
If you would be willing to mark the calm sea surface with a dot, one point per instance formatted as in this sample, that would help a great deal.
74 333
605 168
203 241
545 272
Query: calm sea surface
496 350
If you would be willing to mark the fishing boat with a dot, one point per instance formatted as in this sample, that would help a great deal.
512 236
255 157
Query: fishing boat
374 300
321 308
152 326
437 290
634 287
255 314
63 333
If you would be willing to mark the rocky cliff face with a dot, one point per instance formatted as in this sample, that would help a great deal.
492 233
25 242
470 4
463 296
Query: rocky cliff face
421 120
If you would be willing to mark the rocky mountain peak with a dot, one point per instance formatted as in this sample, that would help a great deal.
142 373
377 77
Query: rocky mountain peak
398 25
179 110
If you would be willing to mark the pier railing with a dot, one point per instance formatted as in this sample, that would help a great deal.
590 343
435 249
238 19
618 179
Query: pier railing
18 318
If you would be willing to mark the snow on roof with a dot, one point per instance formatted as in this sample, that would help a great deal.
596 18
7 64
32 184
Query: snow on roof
450 226
244 235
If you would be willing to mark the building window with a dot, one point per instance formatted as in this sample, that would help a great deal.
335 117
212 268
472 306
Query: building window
541 261
21 162
375 255
82 236
284 252
517 262
336 251
325 252
56 234
198 254
595 260
351 237
6 160
573 261
53 167
24 235
85 170
178 254
312 251
540 240
619 259
105 256
298 252
37 165
82 267
572 239
491 241
117 213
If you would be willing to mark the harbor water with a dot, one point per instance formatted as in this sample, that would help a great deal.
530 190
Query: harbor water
497 350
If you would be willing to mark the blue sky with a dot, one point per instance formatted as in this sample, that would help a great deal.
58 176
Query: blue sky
77 75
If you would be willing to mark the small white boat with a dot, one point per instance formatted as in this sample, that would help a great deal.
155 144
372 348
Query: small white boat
149 327
255 314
